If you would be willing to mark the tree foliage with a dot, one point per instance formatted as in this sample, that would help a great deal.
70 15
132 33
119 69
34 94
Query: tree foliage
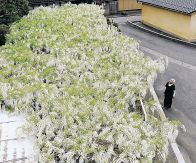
11 11
77 79
3 31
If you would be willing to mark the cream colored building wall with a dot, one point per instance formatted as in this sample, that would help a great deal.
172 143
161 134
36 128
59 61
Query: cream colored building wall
128 5
168 21
193 28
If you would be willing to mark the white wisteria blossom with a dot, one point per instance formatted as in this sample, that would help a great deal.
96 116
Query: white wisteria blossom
79 80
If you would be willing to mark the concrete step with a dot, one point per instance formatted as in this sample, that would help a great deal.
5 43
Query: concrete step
14 146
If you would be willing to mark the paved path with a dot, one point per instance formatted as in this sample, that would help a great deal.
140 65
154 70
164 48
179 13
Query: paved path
14 146
182 67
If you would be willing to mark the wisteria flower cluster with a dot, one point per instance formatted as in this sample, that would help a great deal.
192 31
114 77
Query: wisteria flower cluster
77 80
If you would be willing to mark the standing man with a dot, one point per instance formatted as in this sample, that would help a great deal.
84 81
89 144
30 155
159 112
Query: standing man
169 93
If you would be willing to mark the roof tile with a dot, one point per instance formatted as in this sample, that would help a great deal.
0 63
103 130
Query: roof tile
184 6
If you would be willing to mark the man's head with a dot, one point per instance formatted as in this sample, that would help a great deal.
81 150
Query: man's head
172 81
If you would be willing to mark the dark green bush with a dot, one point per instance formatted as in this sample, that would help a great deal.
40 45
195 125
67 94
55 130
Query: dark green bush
3 31
11 11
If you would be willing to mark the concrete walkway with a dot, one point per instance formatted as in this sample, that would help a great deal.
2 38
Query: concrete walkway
15 147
